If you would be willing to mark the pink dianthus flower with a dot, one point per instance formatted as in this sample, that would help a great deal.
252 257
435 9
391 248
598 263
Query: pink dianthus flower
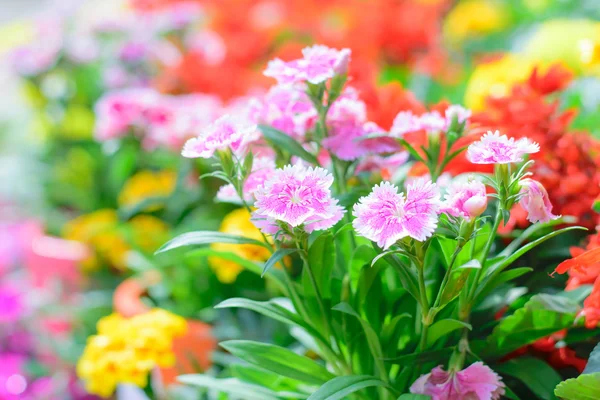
496 149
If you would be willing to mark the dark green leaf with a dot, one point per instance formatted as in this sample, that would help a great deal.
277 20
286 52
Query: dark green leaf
458 278
321 258
593 364
538 376
278 360
421 357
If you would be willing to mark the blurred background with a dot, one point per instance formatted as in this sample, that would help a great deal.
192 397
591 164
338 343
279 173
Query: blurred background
91 186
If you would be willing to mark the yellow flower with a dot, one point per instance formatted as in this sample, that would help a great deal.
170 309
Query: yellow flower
112 240
495 79
147 185
474 18
573 42
237 223
125 350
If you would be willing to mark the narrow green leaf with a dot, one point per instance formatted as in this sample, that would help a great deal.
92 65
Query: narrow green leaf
412 396
321 258
538 376
490 282
275 258
458 279
495 268
413 152
443 327
421 357
206 237
341 386
279 360
281 140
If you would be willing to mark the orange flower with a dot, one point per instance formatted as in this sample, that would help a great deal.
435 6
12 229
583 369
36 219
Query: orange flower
583 261
591 307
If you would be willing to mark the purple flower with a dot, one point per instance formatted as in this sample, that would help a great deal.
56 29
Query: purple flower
285 108
465 199
11 304
262 169
534 199
496 149
225 133
477 381
296 195
319 64
386 216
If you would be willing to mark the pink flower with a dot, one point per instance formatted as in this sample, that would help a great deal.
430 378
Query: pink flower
496 149
319 64
477 381
465 199
347 123
297 195
285 108
387 166
118 111
225 133
11 304
534 199
262 169
386 216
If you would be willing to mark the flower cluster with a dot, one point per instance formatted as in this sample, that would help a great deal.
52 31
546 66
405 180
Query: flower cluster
160 120
431 122
126 350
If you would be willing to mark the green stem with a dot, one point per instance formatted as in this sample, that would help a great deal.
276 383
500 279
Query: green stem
425 308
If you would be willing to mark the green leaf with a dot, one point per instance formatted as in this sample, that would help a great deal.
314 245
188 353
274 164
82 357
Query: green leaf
272 310
491 282
278 360
538 376
421 357
495 268
443 327
584 387
413 152
281 140
264 378
361 257
321 258
341 386
234 387
206 237
458 279
372 338
541 316
275 275
412 396
275 258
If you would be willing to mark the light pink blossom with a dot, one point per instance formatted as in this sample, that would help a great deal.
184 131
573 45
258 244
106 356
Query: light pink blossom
319 64
285 108
534 199
406 122
462 114
387 166
477 381
348 125
386 216
262 169
225 133
496 149
466 199
297 195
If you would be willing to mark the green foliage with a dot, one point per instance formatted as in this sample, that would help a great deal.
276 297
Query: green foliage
342 386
